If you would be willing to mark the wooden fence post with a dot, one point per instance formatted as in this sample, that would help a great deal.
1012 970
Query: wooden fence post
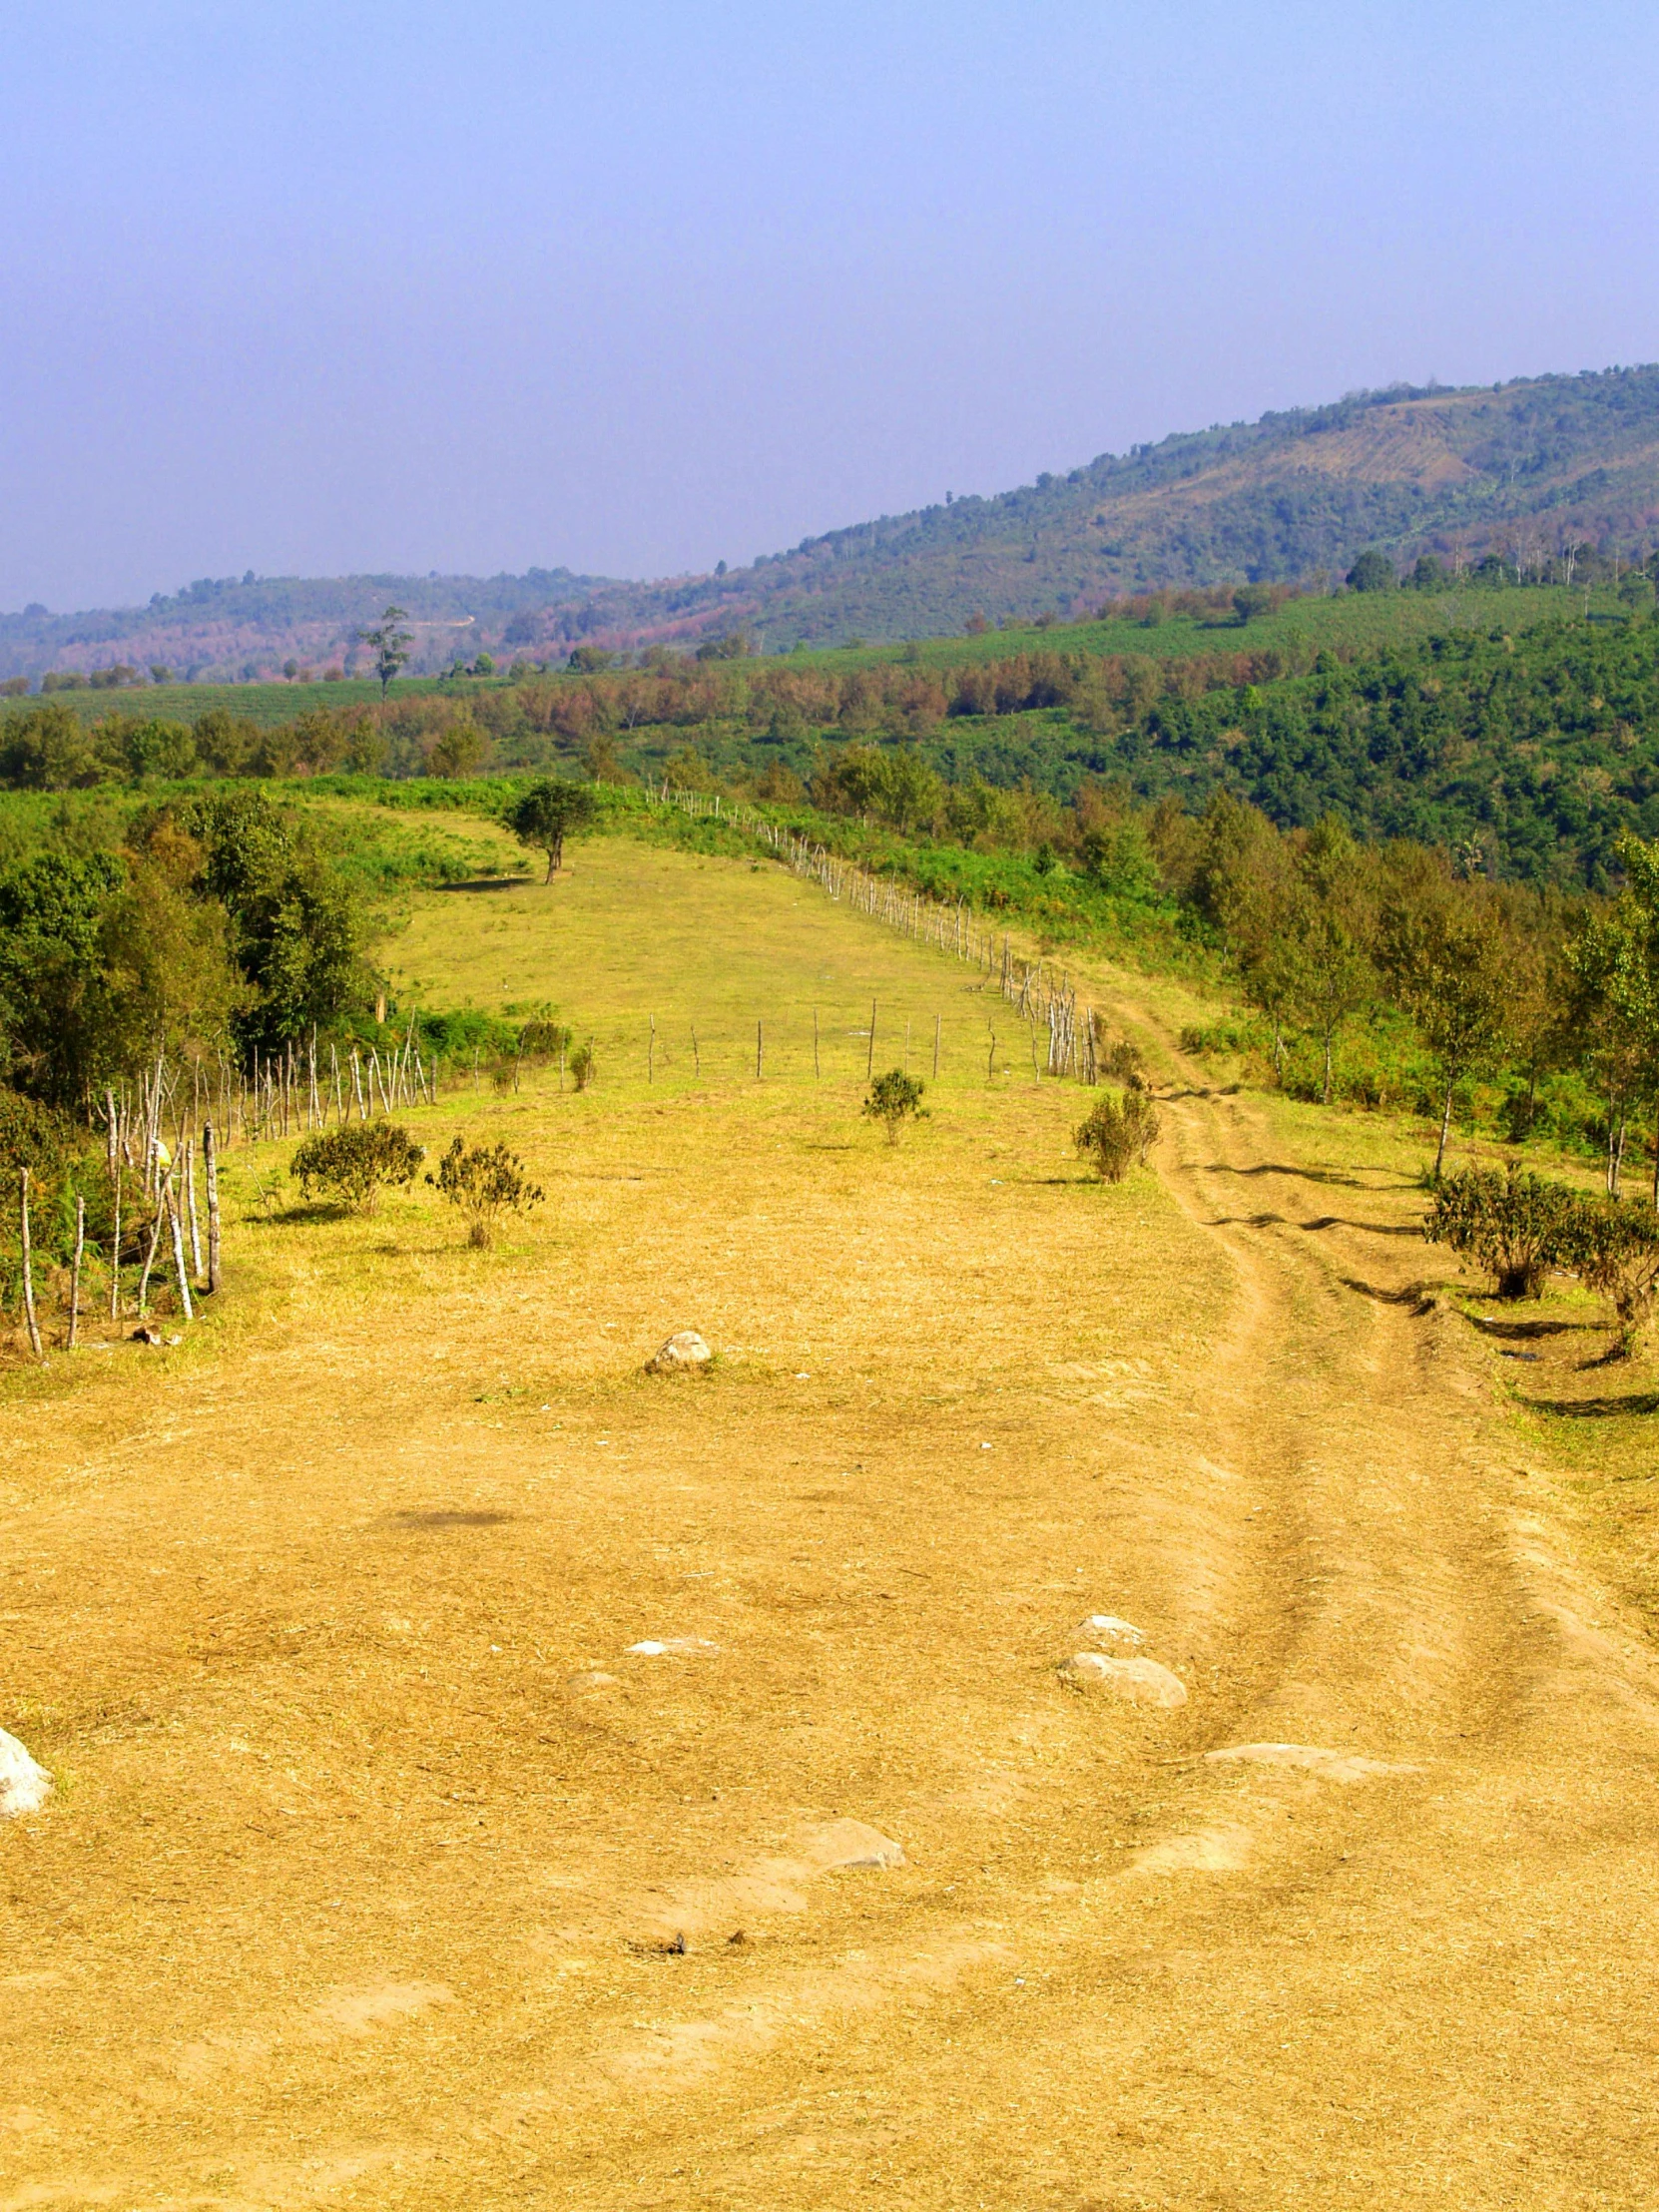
28 1269
209 1169
115 1251
75 1271
189 1200
870 1057
178 1268
760 1041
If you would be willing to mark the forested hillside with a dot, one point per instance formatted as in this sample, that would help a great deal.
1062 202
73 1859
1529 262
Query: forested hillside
1547 478
1527 752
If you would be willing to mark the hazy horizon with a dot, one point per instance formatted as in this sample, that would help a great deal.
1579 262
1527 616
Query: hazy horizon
517 289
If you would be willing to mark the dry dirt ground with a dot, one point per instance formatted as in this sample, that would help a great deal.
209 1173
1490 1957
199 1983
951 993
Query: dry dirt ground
384 1873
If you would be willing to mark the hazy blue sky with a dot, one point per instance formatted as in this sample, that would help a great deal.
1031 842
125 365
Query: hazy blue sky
632 288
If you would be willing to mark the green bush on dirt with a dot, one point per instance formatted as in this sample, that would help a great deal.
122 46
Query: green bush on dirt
485 1182
1513 1224
348 1165
1118 1133
894 1099
1615 1251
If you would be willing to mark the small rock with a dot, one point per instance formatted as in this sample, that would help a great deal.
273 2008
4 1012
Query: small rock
24 1786
852 1843
595 1679
674 1647
1141 1681
1106 1628
145 1335
684 1352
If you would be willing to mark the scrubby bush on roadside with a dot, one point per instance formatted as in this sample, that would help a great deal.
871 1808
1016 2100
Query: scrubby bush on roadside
348 1165
583 1066
1118 1133
1513 1224
1615 1251
485 1182
894 1099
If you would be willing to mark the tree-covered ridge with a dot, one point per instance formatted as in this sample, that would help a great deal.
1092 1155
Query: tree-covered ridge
1519 471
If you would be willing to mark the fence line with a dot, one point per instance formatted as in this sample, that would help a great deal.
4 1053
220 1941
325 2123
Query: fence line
1044 998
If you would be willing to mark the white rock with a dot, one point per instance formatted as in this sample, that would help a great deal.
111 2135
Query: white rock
684 1350
678 1647
579 1685
24 1786
1106 1628
1141 1681
1333 1766
850 1844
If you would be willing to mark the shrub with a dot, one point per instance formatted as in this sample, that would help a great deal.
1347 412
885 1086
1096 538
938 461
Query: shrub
1118 1133
485 1182
583 1065
348 1165
1514 1224
894 1098
1615 1249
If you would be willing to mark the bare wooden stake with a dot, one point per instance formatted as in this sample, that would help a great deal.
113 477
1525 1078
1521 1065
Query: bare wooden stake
28 1269
990 1063
75 1271
651 1053
697 1057
209 1170
869 1059
178 1268
760 1050
115 1251
149 1262
190 1201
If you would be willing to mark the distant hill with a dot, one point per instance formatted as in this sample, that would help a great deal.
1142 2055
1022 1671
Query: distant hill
1518 470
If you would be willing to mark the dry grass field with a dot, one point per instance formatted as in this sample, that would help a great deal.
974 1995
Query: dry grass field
383 1872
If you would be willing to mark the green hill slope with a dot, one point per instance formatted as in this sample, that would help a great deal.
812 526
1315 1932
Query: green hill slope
1523 472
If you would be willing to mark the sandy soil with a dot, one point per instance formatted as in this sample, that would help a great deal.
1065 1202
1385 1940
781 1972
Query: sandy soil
385 1874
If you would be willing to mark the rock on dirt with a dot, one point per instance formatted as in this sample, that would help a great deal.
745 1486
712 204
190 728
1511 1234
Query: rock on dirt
594 1678
850 1844
24 1786
144 1335
673 1647
1107 1629
684 1352
1141 1681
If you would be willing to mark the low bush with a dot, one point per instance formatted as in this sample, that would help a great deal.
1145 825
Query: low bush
1516 1224
583 1066
485 1182
894 1098
1119 1133
350 1165
1615 1251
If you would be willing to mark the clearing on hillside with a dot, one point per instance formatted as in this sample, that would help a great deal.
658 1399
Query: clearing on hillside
489 1775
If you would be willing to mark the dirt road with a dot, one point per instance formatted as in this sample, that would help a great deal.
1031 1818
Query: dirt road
374 1891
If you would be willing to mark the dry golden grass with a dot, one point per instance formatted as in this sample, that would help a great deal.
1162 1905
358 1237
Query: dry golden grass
364 1889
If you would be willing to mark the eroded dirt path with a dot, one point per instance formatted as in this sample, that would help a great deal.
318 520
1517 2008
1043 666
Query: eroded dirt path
1372 1921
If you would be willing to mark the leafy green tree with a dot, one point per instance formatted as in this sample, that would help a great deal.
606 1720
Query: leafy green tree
50 749
1323 949
547 813
1447 958
1373 571
894 1099
389 642
1611 1013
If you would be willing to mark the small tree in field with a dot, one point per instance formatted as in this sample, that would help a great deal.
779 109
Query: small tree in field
894 1099
348 1165
583 1065
549 812
1119 1133
485 1182
391 643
